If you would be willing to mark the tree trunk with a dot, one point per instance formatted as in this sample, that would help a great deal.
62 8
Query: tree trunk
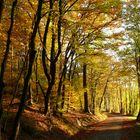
1 8
4 61
30 94
104 92
63 97
44 55
138 117
32 54
62 79
121 101
137 59
36 77
86 109
93 95
47 97
3 64
105 88
51 71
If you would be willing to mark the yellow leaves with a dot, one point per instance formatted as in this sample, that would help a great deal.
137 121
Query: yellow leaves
3 35
93 15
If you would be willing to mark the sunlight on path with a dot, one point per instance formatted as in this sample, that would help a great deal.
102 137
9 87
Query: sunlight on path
116 127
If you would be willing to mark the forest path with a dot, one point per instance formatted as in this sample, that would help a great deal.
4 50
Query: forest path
116 127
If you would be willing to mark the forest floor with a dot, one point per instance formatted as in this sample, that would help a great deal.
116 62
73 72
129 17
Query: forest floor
35 126
76 126
72 126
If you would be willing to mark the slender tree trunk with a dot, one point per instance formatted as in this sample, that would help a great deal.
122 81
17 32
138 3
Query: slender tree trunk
138 117
1 8
32 54
86 109
30 94
68 102
62 78
93 95
44 54
137 59
105 88
11 75
3 64
126 100
121 101
104 92
130 101
54 56
4 61
52 72
63 97
14 94
47 97
36 77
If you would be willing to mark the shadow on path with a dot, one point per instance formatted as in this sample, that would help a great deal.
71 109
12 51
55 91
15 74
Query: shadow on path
116 127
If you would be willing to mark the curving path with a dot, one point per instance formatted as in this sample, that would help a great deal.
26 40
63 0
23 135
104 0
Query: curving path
116 127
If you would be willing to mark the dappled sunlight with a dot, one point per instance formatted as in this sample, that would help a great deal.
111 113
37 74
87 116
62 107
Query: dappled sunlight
114 128
69 69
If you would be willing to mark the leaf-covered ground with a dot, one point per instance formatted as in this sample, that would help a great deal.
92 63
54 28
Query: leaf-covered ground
71 126
35 126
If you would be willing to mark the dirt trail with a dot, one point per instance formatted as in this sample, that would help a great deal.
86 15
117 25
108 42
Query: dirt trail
116 127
